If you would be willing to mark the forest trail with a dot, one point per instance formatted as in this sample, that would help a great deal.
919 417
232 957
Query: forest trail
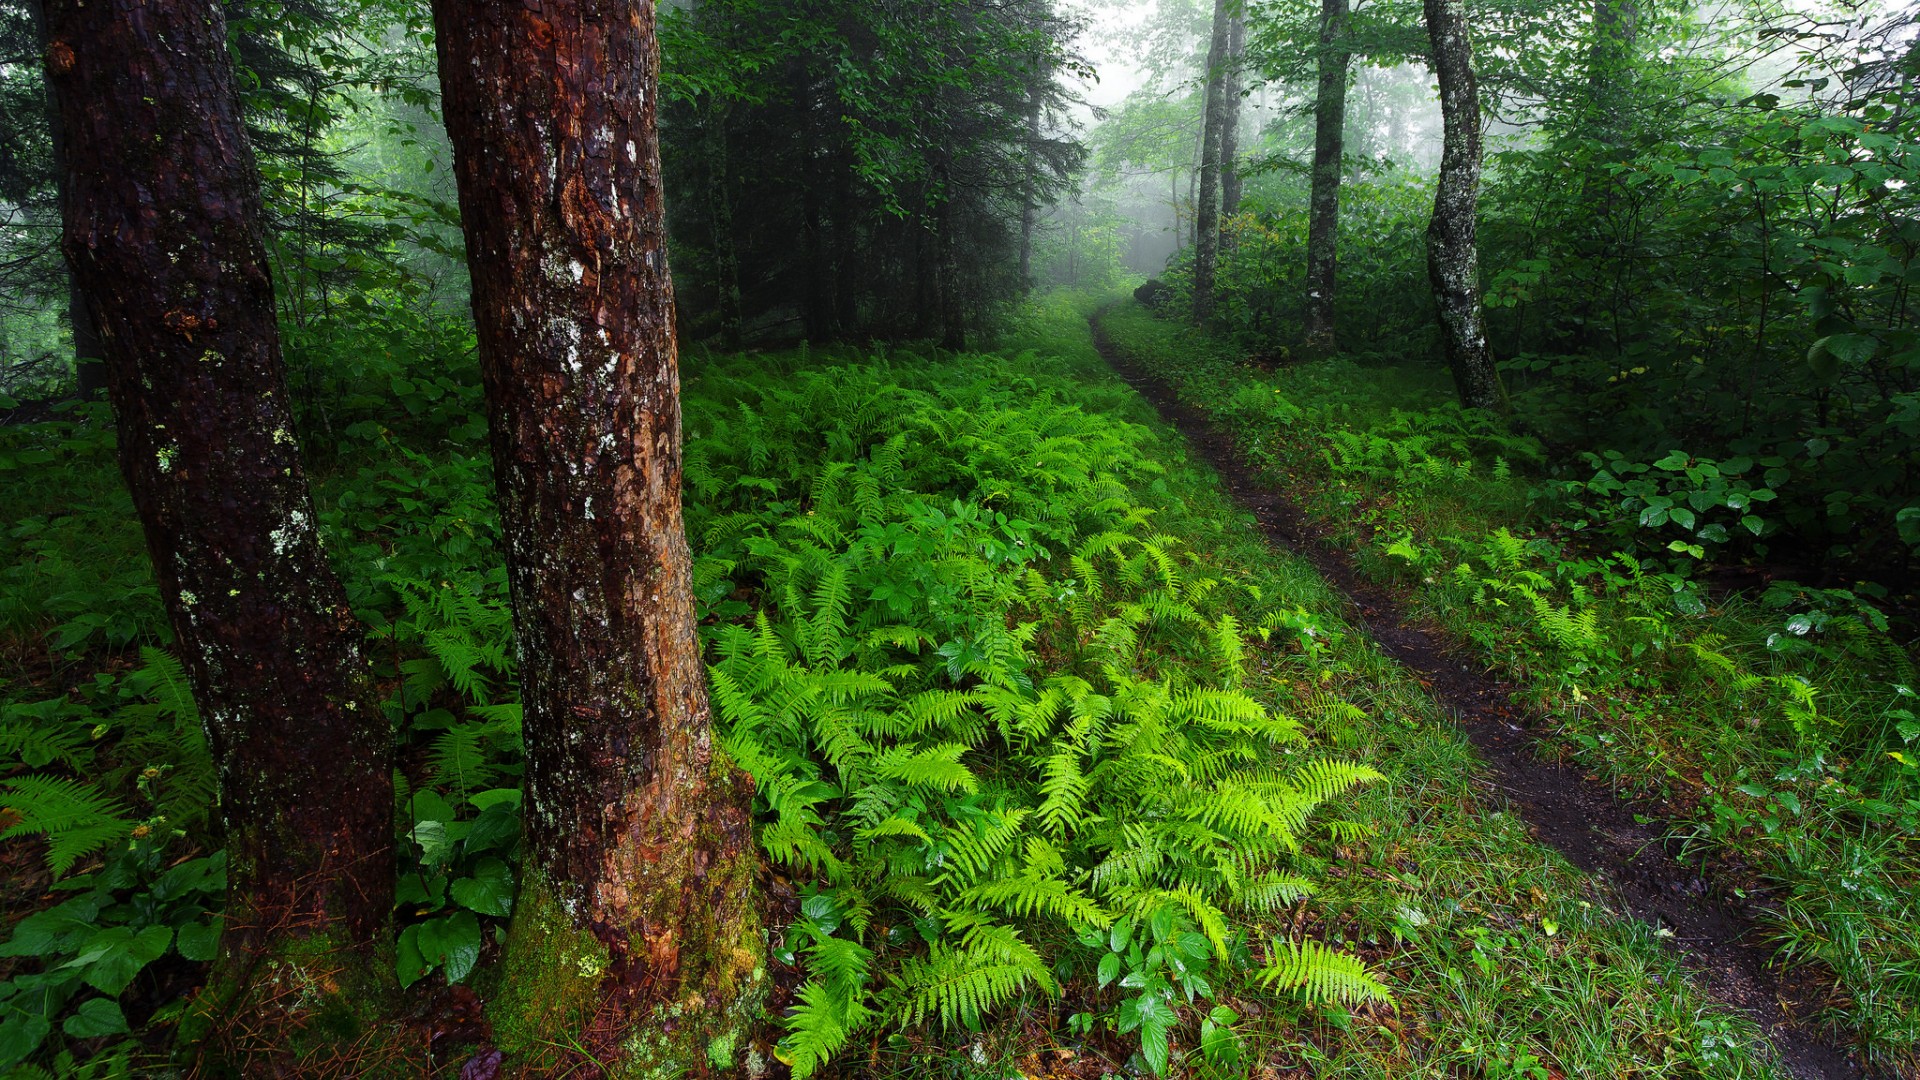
1577 816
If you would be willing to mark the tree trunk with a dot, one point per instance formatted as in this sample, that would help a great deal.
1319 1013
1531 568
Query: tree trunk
90 376
1329 146
1029 203
1610 59
1206 219
636 935
163 232
1230 126
726 251
1453 265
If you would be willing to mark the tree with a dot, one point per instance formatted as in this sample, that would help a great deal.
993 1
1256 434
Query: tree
1230 178
1452 262
1329 143
163 232
1330 117
637 906
1206 223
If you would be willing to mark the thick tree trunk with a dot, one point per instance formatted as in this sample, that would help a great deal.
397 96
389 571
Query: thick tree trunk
636 936
1329 146
1453 264
1206 218
1230 125
163 234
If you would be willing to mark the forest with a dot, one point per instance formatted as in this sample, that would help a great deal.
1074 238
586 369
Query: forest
961 539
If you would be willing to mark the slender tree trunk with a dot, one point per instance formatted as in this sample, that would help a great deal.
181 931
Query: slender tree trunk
816 274
726 252
637 906
953 324
1029 201
1206 219
163 232
90 375
1453 264
1230 126
1329 146
1610 59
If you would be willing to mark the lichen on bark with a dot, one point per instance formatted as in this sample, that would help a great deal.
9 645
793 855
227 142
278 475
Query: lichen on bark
637 840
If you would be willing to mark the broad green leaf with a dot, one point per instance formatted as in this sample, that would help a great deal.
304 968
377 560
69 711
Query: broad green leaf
21 1035
200 941
489 891
96 1017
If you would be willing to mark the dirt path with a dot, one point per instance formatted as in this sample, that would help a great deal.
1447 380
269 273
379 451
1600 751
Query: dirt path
1576 815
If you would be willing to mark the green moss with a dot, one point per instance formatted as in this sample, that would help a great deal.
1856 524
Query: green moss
552 982
550 985
310 996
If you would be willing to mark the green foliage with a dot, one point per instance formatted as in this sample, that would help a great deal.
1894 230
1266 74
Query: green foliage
1778 716
984 703
82 953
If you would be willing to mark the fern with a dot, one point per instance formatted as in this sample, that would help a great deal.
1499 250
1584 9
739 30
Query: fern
959 986
75 817
1321 974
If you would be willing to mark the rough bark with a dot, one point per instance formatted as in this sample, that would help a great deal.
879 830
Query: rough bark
1230 125
1329 146
636 935
1453 264
1206 218
163 232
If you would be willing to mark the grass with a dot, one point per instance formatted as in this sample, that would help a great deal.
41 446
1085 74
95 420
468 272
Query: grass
1503 960
1767 729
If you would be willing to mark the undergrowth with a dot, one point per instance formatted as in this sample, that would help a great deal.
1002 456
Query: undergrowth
1776 727
1043 741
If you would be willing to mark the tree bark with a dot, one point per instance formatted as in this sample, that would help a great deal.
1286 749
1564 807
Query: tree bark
1230 126
635 936
1329 146
1453 264
1206 221
90 376
163 232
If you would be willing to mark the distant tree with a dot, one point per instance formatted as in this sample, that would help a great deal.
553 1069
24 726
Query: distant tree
163 232
1206 220
884 162
1230 178
636 924
1452 261
1329 143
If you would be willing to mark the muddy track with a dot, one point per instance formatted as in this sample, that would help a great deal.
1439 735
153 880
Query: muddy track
1577 816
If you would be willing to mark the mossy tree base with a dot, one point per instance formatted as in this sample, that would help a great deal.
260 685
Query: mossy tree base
678 991
307 1004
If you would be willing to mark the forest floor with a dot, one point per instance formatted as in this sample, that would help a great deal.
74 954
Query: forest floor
1567 809
1528 924
1677 789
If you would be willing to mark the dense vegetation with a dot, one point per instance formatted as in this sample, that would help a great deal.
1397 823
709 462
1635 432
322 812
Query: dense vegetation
684 467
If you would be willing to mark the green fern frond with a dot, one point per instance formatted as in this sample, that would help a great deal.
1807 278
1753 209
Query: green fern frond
1028 896
76 818
1321 974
